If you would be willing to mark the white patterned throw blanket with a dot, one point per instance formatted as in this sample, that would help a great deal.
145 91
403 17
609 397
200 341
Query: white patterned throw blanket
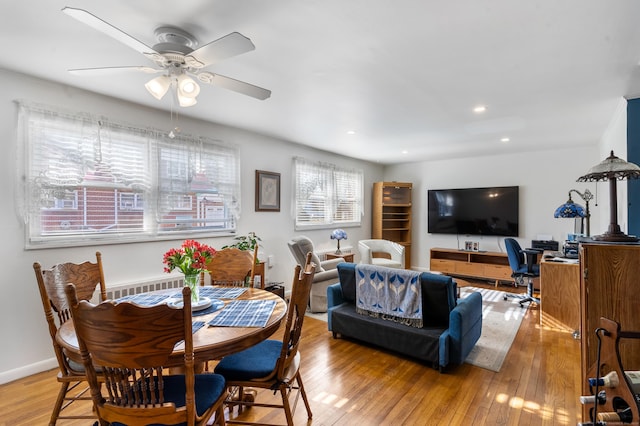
388 293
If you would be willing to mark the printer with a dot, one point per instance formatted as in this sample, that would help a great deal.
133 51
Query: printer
544 245
570 249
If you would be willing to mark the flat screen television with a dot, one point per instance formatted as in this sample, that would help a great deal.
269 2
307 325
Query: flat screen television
474 211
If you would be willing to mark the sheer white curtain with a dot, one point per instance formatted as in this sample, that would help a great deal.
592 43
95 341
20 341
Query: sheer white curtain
86 178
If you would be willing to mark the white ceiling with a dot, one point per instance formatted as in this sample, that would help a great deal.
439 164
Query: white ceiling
403 75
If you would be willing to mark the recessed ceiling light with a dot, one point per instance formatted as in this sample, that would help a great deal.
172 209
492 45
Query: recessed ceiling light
351 132
505 140
404 151
479 109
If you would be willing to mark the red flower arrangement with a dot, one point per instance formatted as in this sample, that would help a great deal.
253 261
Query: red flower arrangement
190 259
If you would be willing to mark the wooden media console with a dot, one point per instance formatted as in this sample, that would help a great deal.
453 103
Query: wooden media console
485 265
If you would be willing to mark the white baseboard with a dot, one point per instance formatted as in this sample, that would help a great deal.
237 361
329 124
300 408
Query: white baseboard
27 370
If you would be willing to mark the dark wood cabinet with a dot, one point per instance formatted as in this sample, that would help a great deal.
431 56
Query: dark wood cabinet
610 288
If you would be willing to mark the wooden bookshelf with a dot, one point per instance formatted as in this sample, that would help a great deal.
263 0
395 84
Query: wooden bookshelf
391 214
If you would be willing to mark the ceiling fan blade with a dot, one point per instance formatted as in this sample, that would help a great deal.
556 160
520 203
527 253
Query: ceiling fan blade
100 25
111 70
232 44
235 85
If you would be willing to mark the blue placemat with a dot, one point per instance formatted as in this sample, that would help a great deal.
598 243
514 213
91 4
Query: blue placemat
218 292
215 305
144 299
222 292
196 325
244 313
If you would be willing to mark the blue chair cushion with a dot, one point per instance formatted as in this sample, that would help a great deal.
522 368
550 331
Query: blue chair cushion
256 362
208 388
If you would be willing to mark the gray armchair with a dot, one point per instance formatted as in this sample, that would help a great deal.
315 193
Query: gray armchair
395 252
326 272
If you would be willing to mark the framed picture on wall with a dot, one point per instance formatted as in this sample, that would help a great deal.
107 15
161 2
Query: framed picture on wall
267 191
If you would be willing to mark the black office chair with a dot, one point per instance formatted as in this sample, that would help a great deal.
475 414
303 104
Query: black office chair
523 265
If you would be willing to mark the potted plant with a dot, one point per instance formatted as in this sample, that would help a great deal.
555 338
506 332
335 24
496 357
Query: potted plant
245 242
191 259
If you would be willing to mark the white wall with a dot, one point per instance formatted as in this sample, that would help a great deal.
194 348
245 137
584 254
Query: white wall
544 178
614 138
27 343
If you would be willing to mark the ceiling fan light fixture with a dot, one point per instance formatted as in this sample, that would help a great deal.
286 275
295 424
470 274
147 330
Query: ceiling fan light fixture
185 101
187 87
176 52
158 86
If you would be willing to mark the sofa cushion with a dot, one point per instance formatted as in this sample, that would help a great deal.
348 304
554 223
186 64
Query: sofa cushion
420 343
438 299
438 294
347 276
316 260
302 245
383 261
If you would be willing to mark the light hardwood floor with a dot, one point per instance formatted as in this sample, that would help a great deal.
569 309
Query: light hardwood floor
350 383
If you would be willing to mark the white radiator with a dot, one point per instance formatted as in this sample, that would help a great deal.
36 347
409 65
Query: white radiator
144 286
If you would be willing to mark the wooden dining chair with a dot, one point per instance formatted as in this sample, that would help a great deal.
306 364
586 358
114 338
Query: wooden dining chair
273 365
132 345
231 267
87 277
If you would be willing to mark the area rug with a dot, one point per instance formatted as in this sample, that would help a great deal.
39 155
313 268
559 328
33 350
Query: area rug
501 320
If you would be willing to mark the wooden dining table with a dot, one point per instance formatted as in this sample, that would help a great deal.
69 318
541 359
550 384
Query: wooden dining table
209 342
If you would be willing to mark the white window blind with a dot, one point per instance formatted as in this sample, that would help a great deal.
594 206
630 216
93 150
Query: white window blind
326 195
198 185
89 180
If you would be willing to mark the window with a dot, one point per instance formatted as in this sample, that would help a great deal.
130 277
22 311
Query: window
131 201
89 180
68 200
326 195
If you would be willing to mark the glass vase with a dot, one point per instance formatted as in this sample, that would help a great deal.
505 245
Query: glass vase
193 282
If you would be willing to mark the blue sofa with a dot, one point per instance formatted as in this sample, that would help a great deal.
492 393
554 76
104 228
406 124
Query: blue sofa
451 327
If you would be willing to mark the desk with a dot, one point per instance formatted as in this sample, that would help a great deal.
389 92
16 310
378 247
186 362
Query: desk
208 342
560 295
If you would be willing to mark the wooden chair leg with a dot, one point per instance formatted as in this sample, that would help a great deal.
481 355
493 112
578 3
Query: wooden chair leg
64 387
285 405
304 395
220 416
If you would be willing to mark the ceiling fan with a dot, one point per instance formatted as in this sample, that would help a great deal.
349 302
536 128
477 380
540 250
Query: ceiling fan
178 58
